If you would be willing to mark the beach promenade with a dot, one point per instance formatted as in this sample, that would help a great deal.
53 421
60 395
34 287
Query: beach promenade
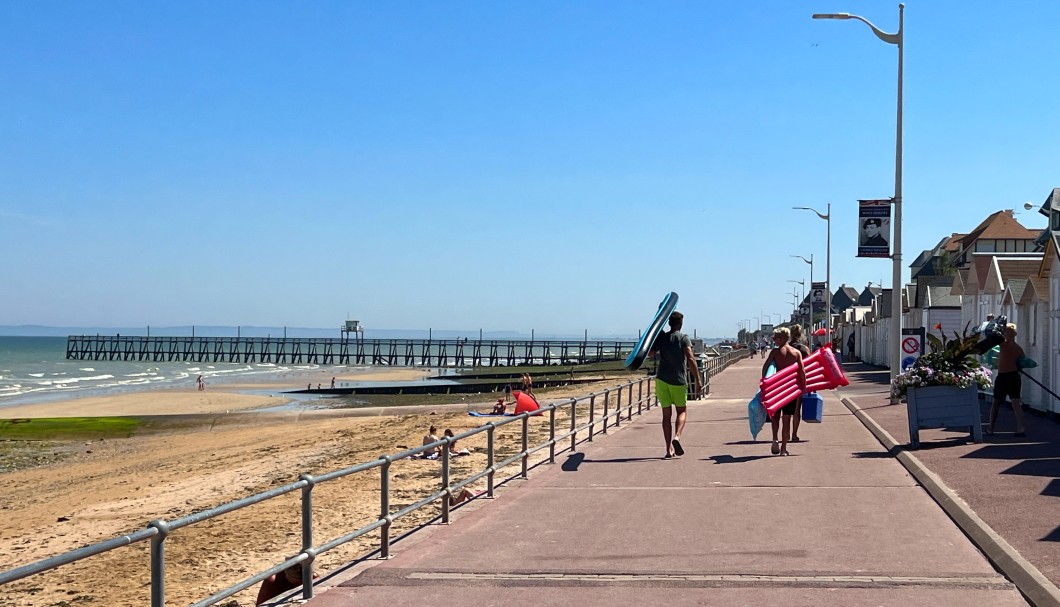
843 521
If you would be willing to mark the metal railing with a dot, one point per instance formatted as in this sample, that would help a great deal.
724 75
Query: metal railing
613 403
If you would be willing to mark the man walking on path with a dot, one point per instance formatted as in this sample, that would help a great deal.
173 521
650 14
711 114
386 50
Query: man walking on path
671 382
1008 381
784 356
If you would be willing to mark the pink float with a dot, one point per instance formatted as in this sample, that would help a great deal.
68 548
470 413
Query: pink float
822 373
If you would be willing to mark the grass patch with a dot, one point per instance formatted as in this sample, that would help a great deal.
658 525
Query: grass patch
66 428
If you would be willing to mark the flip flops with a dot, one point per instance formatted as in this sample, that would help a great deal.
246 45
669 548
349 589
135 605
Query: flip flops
678 449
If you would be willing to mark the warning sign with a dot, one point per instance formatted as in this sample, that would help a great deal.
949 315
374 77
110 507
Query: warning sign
912 346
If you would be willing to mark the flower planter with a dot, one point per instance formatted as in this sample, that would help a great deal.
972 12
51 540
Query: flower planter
943 407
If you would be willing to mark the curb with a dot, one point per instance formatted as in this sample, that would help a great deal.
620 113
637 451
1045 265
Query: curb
1030 582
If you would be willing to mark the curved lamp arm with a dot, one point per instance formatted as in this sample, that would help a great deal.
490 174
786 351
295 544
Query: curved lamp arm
824 216
882 35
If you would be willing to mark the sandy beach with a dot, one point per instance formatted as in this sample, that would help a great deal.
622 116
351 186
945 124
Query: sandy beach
86 491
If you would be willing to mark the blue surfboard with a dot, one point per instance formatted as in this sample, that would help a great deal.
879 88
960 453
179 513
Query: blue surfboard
640 351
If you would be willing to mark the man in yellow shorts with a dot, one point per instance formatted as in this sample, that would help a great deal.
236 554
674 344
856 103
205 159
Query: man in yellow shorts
674 349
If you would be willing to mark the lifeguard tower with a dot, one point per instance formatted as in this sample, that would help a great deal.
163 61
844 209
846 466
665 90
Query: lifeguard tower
352 326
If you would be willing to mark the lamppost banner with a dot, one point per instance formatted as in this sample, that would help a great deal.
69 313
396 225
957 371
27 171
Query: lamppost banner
818 296
874 228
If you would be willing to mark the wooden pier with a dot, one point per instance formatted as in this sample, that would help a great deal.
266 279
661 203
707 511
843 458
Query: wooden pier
329 351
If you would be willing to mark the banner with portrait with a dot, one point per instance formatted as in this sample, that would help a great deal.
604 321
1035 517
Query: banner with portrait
874 228
818 296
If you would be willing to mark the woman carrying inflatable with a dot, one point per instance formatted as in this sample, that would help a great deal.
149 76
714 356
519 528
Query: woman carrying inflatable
781 357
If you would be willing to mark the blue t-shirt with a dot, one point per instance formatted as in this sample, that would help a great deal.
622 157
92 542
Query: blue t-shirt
671 347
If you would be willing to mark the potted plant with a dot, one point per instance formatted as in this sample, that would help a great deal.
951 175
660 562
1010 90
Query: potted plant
941 387
951 362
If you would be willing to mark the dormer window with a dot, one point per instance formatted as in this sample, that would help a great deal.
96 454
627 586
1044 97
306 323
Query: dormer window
1054 220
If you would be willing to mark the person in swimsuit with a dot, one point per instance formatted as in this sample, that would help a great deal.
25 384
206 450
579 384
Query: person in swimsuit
796 342
528 384
782 357
1008 381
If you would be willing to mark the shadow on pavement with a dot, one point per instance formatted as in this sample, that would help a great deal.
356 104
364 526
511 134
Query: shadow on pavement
572 462
728 459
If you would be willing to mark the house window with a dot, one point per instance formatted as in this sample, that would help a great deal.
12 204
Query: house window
985 246
1054 220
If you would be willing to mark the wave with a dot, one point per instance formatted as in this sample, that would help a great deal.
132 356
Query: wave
73 380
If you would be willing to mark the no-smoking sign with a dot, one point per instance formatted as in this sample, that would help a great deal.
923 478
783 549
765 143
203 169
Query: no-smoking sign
912 346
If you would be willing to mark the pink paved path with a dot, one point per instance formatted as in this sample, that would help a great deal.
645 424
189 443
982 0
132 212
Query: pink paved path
841 522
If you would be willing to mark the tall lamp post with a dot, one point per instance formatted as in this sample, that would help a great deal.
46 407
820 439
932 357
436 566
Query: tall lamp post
800 282
896 39
827 217
810 303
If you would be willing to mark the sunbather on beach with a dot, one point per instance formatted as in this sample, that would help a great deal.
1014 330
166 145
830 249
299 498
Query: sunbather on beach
453 449
431 437
461 496
498 409
278 583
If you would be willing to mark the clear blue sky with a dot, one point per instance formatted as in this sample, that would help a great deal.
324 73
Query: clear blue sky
556 166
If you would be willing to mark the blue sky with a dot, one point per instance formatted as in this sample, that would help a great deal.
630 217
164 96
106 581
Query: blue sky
555 166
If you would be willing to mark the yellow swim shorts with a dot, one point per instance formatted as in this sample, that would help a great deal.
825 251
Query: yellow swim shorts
670 394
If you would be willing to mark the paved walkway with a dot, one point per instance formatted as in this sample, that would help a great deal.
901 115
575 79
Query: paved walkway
841 522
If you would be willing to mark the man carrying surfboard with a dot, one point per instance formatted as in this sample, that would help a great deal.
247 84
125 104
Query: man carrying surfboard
671 381
783 356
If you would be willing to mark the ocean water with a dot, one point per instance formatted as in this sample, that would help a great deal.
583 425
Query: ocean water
35 369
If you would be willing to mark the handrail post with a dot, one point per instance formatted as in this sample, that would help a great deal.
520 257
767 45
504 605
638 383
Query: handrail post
384 507
552 435
526 444
307 535
640 396
607 397
158 563
573 424
618 407
629 412
490 428
447 498
592 414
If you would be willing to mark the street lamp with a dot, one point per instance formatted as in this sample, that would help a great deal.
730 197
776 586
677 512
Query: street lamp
896 39
804 287
827 217
810 303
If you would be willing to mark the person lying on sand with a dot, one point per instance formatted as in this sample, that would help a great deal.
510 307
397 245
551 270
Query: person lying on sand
463 495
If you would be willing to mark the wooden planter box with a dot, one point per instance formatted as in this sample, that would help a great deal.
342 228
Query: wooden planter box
943 407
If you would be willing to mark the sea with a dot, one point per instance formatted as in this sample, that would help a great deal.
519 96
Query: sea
35 370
